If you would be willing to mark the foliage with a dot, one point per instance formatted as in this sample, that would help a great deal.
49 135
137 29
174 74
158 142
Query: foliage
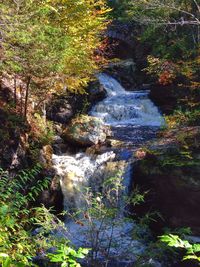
18 244
42 130
137 197
119 9
183 118
192 250
101 215
160 251
47 237
67 256
49 45
158 12
171 30
164 70
15 215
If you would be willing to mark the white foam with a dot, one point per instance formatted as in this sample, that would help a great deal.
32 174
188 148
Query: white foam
126 108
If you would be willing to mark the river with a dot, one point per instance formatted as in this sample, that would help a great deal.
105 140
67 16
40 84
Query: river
96 186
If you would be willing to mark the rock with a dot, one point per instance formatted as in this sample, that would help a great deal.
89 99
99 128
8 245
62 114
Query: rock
62 108
13 149
52 197
46 156
124 72
152 263
96 92
86 131
170 171
165 97
58 140
193 239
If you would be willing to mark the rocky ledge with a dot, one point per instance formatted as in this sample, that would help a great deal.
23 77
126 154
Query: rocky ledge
170 169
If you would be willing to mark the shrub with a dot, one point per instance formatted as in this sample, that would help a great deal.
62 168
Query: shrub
16 216
42 130
18 219
192 250
183 118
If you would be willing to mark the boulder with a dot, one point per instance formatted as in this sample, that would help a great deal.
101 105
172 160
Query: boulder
170 170
52 197
86 131
124 72
96 92
165 97
62 108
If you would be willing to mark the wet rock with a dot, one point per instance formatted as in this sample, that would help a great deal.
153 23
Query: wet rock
193 239
171 171
58 140
86 131
150 263
52 198
96 92
124 72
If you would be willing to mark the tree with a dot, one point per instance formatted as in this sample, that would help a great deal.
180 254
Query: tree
171 12
171 15
171 28
49 44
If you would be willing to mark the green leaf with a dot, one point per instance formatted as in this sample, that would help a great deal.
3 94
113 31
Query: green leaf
6 262
196 248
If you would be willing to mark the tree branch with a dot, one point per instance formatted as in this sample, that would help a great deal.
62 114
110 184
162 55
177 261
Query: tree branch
196 20
198 7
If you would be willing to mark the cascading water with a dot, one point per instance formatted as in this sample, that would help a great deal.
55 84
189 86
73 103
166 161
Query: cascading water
122 108
75 172
130 114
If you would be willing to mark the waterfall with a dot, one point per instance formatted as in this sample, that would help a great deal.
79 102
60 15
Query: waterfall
126 108
127 113
76 173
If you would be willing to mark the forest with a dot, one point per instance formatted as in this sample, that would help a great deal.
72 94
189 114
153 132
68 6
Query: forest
99 133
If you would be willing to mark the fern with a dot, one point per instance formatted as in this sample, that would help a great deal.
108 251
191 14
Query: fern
16 215
17 219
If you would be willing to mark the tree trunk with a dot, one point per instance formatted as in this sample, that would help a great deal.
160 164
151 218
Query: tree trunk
15 91
26 97
21 99
44 114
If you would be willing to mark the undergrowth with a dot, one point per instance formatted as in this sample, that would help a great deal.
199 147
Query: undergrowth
26 231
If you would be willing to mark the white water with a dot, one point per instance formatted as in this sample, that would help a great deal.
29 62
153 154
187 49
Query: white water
76 173
119 109
122 108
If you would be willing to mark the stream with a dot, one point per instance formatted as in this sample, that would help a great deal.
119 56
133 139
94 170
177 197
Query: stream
96 186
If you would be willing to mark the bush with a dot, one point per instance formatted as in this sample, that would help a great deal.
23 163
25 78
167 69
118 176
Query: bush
192 251
18 219
42 130
16 216
183 118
